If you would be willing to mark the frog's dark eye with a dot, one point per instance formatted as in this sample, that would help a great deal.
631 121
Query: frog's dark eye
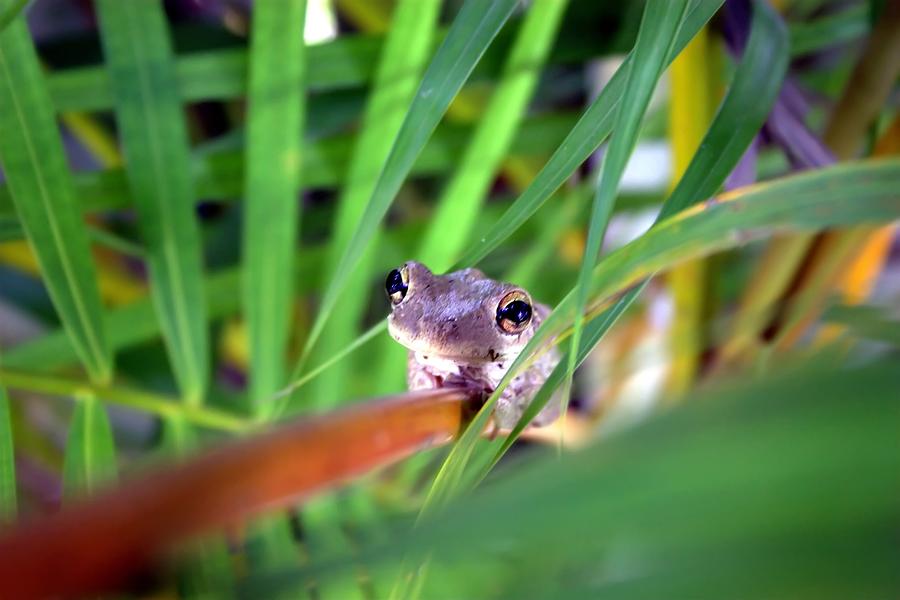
514 312
396 284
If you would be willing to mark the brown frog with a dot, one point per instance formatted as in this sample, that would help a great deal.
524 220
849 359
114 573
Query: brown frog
464 328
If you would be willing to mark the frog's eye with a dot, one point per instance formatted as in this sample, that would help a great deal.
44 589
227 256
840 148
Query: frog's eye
514 312
396 284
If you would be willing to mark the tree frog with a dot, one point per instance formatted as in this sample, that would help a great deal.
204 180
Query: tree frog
464 328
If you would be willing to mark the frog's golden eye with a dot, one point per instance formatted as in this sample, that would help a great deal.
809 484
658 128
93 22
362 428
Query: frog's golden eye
396 284
514 312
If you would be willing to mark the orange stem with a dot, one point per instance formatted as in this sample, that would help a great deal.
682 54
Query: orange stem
103 543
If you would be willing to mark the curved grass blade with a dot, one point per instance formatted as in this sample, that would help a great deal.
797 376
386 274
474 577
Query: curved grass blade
754 89
35 166
404 56
7 462
655 41
90 459
852 193
457 208
587 135
472 31
148 109
273 156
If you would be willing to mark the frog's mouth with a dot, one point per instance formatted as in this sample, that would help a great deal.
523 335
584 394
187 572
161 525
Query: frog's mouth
427 352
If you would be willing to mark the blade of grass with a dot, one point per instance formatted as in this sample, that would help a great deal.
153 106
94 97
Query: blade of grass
90 460
403 58
35 167
458 205
148 109
8 505
472 31
655 41
587 135
274 133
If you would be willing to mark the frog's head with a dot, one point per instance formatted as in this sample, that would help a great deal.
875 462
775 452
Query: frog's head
461 316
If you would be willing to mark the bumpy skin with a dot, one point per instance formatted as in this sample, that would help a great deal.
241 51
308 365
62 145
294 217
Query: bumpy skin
448 323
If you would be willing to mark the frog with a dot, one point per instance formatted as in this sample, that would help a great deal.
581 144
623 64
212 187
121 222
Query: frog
464 328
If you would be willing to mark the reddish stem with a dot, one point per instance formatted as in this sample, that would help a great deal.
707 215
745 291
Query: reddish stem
105 542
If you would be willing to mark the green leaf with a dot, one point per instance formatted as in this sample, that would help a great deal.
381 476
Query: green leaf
39 181
472 31
587 135
90 459
274 133
151 122
655 41
757 81
403 58
7 462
